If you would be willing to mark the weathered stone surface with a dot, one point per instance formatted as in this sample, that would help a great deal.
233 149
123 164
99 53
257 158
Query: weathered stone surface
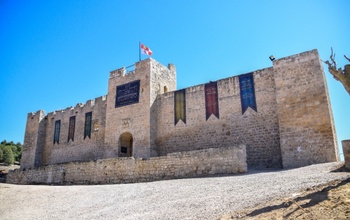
346 151
227 160
306 126
259 130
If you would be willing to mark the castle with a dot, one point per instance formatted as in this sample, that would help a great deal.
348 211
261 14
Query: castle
282 114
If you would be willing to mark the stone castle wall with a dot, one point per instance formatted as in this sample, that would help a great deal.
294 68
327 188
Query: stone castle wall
79 149
293 125
307 131
33 139
229 160
346 151
259 131
163 80
137 119
133 119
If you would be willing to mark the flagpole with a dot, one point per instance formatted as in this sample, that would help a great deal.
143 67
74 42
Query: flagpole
139 51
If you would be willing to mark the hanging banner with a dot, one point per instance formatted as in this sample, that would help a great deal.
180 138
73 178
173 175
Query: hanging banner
127 94
71 128
180 106
56 137
246 85
211 99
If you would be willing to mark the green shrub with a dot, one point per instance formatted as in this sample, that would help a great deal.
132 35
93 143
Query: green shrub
1 155
8 157
16 151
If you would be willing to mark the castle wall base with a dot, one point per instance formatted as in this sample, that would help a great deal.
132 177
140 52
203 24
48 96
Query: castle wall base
346 151
229 160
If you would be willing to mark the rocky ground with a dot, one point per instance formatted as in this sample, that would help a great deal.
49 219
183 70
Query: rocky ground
314 192
328 201
4 169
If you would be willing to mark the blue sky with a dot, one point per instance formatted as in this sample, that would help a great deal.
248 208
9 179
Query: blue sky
55 54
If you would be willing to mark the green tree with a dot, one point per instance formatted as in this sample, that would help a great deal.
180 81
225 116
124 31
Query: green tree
10 143
15 148
1 155
19 149
8 156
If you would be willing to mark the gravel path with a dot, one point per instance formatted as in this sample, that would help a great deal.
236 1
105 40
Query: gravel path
197 198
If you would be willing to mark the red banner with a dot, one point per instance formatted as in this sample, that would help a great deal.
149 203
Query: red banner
211 99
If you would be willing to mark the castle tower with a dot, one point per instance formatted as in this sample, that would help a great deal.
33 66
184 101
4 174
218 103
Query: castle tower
131 118
34 140
307 132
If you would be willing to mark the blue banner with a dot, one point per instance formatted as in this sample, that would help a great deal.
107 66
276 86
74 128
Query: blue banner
127 94
246 85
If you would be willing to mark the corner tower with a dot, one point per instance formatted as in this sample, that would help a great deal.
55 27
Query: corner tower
307 132
131 118
34 140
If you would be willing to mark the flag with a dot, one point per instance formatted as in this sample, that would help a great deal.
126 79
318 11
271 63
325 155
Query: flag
145 50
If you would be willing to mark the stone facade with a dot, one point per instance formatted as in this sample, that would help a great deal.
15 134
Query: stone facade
306 126
346 151
258 130
205 162
292 127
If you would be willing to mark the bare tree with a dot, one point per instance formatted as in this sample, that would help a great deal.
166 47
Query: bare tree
342 75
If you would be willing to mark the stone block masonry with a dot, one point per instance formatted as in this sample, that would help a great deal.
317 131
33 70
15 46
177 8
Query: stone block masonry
306 126
346 151
206 162
259 130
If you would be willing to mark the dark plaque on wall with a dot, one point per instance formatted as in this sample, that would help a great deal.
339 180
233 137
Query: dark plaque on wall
246 85
127 94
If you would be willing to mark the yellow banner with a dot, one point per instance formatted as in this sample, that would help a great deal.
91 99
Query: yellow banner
180 106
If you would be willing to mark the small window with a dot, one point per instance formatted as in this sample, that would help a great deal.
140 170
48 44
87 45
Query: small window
56 136
124 150
87 128
165 89
71 128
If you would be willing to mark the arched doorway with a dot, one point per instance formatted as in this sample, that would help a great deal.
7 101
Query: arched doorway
125 145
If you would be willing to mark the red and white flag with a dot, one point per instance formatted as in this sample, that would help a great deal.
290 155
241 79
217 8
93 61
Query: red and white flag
145 50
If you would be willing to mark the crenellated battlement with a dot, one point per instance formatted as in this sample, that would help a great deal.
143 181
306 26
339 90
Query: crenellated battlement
118 73
297 58
38 113
79 107
122 72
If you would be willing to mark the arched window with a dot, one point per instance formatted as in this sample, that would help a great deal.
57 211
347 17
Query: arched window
165 89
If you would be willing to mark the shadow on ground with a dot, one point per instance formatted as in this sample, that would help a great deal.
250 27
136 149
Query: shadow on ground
302 202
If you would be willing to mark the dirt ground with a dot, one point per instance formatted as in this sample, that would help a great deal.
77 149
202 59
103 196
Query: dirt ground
329 201
6 168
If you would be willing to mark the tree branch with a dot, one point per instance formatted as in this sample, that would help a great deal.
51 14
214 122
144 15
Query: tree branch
342 75
332 57
347 58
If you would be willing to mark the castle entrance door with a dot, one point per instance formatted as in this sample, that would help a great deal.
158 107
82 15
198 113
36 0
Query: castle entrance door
125 145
